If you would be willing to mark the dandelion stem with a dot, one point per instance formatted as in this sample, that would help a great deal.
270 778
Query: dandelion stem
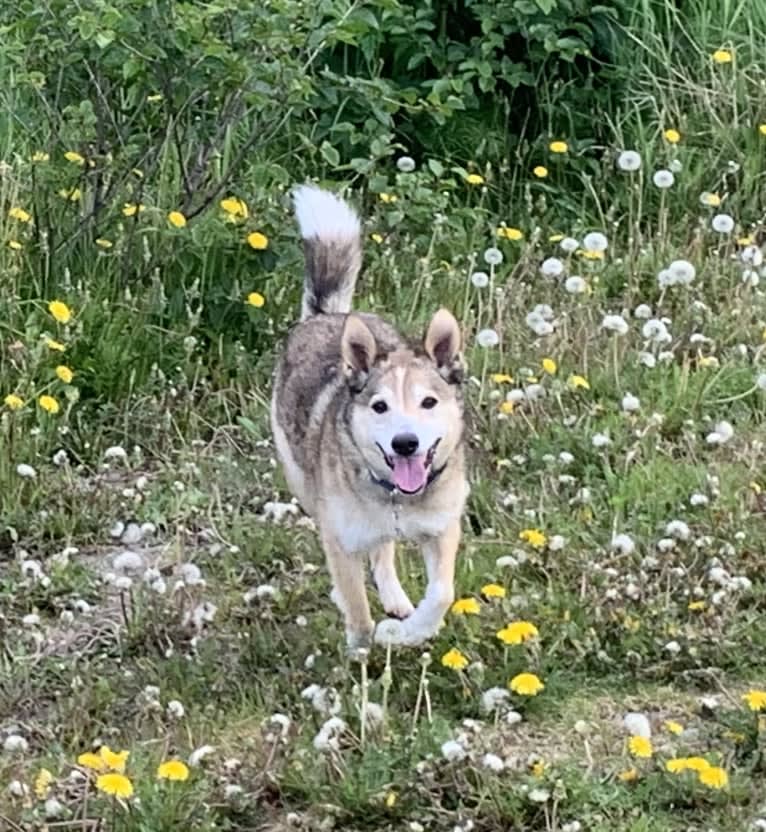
386 680
365 698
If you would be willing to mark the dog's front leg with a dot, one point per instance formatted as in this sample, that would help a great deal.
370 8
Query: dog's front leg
392 596
439 556
349 592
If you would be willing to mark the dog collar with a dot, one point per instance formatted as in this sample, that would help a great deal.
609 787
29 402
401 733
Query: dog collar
387 485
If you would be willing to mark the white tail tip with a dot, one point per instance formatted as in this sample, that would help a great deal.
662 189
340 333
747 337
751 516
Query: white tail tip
322 214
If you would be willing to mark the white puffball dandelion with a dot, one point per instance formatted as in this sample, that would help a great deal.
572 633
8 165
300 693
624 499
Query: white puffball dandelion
493 256
595 241
663 179
722 223
676 166
569 245
406 164
624 544
575 285
487 338
682 272
630 404
629 160
480 280
552 267
615 323
751 256
643 311
26 471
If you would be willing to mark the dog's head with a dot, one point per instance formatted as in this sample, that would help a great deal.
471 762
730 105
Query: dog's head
406 415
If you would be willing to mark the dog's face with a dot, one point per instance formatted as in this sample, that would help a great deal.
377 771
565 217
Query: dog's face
407 414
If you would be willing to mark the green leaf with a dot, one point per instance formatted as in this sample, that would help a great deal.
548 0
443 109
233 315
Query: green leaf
329 154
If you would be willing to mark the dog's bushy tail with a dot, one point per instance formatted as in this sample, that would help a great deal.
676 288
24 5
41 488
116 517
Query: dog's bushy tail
332 244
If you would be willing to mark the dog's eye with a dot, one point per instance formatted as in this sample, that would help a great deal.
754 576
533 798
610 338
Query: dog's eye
429 402
380 407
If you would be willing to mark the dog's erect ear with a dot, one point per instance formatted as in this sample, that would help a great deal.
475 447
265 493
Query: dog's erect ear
358 350
442 345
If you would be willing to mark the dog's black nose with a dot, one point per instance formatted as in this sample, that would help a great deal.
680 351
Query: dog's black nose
405 444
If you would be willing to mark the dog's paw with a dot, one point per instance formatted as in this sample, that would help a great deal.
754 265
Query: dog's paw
396 603
407 633
358 640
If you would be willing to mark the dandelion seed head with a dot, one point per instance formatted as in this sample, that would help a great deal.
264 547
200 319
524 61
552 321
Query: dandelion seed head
552 267
629 160
722 223
663 179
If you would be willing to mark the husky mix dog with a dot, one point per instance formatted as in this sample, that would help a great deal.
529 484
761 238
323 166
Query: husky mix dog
368 427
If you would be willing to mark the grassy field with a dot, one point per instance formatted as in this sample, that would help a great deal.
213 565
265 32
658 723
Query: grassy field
170 656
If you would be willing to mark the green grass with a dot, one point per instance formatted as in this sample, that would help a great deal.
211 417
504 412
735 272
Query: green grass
172 365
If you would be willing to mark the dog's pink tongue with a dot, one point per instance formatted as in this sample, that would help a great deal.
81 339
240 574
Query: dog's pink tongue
409 472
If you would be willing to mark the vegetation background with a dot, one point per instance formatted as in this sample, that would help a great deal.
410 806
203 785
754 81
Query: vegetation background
157 592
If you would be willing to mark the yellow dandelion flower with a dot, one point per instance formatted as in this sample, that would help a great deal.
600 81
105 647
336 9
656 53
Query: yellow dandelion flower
57 346
674 727
714 777
13 402
590 254
454 660
534 537
640 747
555 238
578 382
173 770
558 147
19 214
255 299
234 208
550 366
258 241
507 408
696 606
501 378
672 136
43 783
64 373
102 242
115 760
722 56
376 238
74 157
709 199
526 684
538 768
493 591
177 219
697 764
130 209
513 234
72 194
92 761
755 699
629 775
466 606
60 311
49 404
762 129
117 785
15 245
391 799
517 632
40 156
745 241
474 179
154 97
388 198
540 171
677 765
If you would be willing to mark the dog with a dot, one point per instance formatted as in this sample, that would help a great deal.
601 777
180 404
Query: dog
369 429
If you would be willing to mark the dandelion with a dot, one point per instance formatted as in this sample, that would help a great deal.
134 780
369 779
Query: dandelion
13 402
629 161
534 537
640 747
114 760
15 245
672 136
376 238
526 684
501 378
453 750
480 280
26 471
92 761
517 632
663 179
130 209
177 219
507 233
154 97
629 775
552 267
714 777
19 214
578 382
722 223
697 764
575 285
624 544
173 770
558 147
74 157
710 199
474 179
630 403
615 323
595 241
255 299
540 171
43 783
466 606
56 346
102 242
722 56
454 660
388 198
60 311
487 338
49 404
64 373
40 156
549 366
493 591
72 194
235 209
755 699
406 164
590 254
117 785
258 241
674 727
696 606
682 271
762 129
